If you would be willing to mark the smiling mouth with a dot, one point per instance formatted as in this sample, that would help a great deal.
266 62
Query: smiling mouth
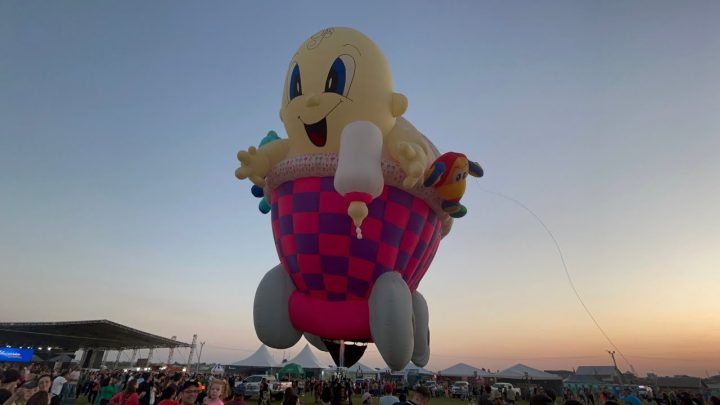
317 132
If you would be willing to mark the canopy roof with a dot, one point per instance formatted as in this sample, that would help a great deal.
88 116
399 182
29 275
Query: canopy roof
261 358
596 370
360 368
411 368
70 336
583 379
464 370
306 359
521 372
291 369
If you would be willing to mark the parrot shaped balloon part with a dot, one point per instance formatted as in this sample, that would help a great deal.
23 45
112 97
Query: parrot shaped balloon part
447 175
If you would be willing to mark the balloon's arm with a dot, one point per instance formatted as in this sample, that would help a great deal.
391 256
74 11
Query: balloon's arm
411 152
255 163
276 151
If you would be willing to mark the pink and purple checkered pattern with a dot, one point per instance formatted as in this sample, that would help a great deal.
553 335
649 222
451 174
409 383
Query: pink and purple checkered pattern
316 243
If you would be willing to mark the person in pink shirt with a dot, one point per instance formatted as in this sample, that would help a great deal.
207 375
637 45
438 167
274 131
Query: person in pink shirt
217 391
128 397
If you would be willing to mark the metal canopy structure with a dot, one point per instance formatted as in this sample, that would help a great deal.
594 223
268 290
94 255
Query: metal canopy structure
70 336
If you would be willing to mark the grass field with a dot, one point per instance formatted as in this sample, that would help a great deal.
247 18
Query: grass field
310 400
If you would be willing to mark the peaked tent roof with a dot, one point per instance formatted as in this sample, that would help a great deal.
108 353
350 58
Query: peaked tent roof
596 370
418 370
360 367
261 358
464 370
306 359
521 371
583 379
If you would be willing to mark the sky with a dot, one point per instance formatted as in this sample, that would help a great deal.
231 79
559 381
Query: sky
120 123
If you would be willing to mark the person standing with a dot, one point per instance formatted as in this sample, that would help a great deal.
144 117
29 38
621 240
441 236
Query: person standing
264 394
388 398
421 396
58 385
44 383
72 381
238 396
216 392
145 389
128 396
107 390
189 392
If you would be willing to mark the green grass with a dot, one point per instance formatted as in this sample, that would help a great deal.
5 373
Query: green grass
309 399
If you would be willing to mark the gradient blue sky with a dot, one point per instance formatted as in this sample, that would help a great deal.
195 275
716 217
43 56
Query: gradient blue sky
120 121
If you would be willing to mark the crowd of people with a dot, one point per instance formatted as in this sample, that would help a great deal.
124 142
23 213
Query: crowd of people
38 385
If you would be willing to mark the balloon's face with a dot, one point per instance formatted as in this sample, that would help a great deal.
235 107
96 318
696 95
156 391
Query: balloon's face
454 184
336 77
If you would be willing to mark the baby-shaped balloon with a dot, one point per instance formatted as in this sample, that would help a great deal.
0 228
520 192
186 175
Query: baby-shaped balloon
354 227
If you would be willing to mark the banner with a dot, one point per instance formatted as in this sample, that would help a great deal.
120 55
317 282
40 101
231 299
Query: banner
13 355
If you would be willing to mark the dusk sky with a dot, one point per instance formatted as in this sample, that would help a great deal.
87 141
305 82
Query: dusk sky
120 123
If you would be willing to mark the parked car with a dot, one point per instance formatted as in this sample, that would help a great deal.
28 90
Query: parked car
459 389
644 391
277 388
504 387
252 384
435 389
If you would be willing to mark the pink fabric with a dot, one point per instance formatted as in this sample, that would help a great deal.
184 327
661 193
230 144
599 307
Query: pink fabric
349 320
333 271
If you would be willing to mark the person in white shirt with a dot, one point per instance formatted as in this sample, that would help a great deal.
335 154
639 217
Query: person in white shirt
58 384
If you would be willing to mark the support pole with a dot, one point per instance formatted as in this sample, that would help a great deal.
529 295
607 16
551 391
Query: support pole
172 350
117 359
197 367
132 357
192 352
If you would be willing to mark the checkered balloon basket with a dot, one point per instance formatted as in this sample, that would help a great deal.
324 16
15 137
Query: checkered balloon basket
317 244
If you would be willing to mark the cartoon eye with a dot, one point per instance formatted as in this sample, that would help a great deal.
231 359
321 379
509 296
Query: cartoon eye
294 87
340 76
458 177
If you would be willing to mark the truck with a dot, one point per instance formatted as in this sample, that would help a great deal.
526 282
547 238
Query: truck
277 388
504 387
460 389
252 384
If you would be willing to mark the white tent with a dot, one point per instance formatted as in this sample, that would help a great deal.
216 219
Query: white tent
464 370
413 369
361 368
307 360
261 358
521 372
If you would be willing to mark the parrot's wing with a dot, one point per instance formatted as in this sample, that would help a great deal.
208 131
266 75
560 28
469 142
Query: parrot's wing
257 191
475 169
434 173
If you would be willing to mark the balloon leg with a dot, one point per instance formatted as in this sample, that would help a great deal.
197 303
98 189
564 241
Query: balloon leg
315 341
391 324
270 310
421 351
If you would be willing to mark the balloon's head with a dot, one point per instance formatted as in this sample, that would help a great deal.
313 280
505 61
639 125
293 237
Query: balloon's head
336 77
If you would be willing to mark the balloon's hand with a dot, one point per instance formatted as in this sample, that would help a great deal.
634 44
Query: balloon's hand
254 165
413 161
